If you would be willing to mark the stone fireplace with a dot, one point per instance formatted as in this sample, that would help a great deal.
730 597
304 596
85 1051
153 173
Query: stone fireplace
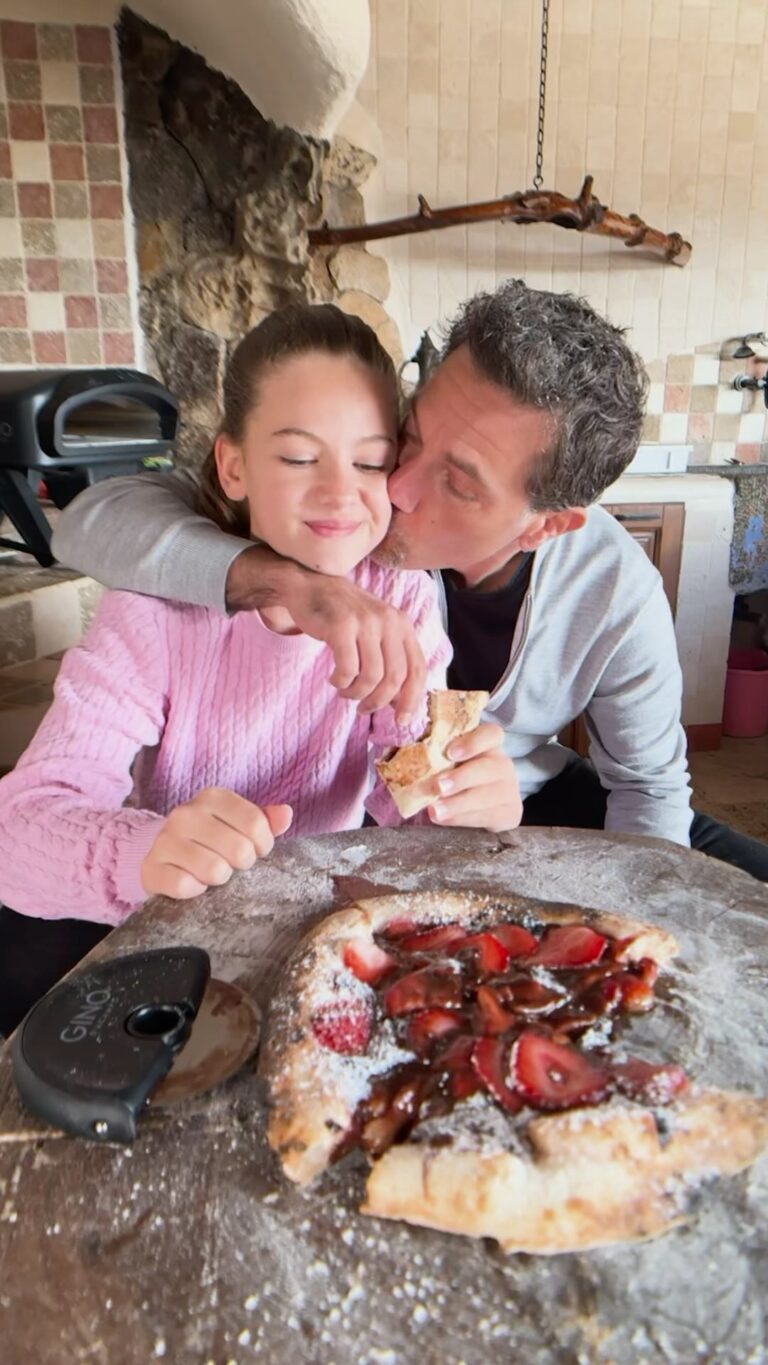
222 199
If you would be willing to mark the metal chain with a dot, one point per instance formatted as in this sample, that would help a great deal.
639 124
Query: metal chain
538 179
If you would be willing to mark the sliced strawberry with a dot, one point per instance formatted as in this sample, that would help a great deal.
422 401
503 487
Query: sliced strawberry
343 1026
488 1059
427 1025
646 1081
463 1083
457 1054
569 1022
492 956
588 975
636 996
398 927
442 937
517 941
423 990
568 945
531 997
554 1075
368 962
493 1017
601 997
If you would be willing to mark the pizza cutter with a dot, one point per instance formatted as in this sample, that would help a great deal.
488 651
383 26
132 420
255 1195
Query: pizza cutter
112 1038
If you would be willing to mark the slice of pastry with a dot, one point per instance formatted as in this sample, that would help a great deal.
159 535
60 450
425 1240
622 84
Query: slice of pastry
409 773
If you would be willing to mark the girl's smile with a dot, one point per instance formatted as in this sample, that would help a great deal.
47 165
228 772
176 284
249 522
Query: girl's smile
333 528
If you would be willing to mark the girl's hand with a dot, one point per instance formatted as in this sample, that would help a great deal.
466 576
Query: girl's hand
204 841
482 790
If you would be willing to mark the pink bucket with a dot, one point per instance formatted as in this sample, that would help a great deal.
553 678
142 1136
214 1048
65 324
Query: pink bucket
745 708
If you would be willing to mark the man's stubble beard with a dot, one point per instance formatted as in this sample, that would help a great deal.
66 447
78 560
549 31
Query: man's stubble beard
392 552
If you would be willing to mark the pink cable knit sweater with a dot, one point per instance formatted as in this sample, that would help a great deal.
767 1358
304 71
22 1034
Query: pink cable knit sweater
203 700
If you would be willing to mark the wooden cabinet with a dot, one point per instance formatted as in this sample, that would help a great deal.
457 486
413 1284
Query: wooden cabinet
658 529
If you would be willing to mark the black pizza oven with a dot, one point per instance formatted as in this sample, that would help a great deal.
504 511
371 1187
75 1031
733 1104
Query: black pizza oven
71 428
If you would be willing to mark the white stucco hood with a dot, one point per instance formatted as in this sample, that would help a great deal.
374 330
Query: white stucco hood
299 61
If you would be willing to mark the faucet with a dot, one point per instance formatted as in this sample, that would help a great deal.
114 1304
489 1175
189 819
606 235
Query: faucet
749 381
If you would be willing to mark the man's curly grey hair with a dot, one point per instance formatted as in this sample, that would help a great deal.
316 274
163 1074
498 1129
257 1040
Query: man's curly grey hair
554 352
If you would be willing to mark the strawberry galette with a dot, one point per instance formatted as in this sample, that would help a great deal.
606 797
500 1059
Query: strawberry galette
479 1052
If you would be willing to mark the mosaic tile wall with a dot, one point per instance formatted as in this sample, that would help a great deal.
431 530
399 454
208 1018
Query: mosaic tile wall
691 401
65 296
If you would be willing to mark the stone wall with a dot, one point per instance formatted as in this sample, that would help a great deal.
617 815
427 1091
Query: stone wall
222 199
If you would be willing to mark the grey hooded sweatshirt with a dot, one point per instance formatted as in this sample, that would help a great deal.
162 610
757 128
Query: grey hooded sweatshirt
594 636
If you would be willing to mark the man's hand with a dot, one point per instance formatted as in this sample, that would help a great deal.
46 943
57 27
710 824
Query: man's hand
377 656
482 790
204 841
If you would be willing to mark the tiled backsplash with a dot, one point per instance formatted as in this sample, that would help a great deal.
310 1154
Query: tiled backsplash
65 296
692 401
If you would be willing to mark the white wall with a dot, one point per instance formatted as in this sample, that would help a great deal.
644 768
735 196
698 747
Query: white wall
664 101
299 61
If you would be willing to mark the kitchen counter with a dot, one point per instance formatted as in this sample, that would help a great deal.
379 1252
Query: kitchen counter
730 471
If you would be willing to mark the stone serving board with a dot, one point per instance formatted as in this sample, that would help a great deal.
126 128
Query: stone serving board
191 1246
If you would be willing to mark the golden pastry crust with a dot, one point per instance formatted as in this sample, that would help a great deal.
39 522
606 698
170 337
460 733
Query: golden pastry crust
409 773
313 1092
585 1178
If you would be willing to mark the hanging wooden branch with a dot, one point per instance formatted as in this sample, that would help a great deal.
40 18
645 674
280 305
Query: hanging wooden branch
584 214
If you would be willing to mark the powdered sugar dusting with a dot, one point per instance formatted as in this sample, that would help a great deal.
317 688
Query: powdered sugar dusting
475 1125
351 1076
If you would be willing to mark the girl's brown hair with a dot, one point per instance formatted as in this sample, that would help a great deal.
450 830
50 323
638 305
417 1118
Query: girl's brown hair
294 330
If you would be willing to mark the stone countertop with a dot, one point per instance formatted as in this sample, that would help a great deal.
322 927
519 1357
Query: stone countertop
672 486
42 610
21 574
730 471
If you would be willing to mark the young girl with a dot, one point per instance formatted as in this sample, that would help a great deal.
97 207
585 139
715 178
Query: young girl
181 742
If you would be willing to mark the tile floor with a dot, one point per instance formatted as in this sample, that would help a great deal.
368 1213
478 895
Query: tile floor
731 784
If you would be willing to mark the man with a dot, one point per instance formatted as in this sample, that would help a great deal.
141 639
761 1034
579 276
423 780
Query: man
535 409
